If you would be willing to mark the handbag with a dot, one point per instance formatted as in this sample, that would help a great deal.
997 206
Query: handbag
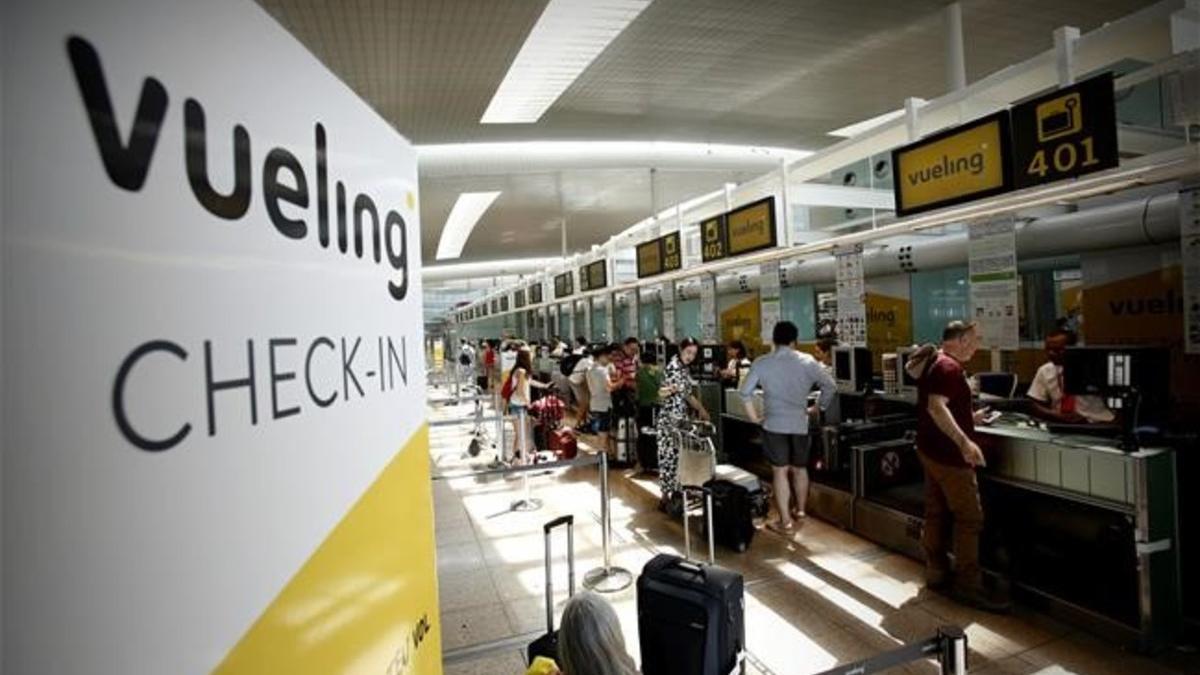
697 458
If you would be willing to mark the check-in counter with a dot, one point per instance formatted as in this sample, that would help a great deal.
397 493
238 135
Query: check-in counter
1086 527
1076 525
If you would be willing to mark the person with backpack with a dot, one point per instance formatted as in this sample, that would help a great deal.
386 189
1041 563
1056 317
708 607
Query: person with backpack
946 421
516 395
576 367
466 360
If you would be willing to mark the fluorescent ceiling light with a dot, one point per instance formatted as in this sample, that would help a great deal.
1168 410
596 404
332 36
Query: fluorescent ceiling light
866 125
467 211
566 39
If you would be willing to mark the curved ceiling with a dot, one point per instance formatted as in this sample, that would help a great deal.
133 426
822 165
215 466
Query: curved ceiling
771 73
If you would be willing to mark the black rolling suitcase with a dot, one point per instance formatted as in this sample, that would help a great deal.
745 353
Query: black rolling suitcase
625 437
647 449
733 515
547 645
691 616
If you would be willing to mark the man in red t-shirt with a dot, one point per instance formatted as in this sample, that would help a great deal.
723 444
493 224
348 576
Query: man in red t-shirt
945 423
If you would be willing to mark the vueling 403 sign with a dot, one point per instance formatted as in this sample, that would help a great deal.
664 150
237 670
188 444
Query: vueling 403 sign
1065 134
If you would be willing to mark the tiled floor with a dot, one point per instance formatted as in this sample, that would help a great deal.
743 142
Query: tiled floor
828 597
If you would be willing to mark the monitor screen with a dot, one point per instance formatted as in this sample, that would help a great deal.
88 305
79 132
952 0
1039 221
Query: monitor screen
1110 370
904 378
841 365
1000 385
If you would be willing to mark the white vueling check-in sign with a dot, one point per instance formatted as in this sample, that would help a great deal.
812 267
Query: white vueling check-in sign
215 457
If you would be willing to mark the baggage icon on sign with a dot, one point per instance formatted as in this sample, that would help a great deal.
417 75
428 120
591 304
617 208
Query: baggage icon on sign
1059 117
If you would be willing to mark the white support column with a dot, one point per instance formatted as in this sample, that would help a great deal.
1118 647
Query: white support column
635 319
956 61
1064 45
708 308
911 108
783 230
1185 28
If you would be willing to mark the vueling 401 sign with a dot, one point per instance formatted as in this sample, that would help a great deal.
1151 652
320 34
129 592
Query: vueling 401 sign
1065 134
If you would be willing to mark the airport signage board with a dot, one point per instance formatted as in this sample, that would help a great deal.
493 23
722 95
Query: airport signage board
751 227
564 285
659 256
713 239
593 276
951 167
215 450
1065 134
743 230
535 294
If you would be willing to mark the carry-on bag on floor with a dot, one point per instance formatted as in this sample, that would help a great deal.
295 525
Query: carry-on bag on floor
759 500
647 449
547 645
562 443
732 515
691 616
625 441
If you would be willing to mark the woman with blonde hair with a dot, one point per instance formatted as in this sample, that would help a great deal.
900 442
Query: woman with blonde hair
590 641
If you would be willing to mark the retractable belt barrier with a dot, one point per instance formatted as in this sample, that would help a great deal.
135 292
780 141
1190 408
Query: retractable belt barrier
589 460
949 647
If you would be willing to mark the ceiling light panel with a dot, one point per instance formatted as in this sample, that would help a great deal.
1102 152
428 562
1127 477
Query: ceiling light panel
566 39
466 212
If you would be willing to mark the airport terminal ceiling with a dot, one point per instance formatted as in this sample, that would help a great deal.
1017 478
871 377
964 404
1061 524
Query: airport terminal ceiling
702 71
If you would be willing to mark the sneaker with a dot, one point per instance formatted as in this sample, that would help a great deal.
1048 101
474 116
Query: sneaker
979 599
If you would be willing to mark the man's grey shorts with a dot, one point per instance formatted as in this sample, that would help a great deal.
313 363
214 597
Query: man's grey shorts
786 449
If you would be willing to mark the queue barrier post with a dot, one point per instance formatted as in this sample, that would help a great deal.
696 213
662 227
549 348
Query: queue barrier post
607 578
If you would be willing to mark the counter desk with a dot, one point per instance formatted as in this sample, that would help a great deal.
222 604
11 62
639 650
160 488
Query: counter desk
1073 523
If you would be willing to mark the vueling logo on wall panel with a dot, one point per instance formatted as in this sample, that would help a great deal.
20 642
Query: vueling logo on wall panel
128 163
211 334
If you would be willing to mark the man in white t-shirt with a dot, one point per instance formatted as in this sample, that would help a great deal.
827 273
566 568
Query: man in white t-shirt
579 388
1046 390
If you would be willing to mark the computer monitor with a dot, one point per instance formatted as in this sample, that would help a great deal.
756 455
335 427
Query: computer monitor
670 350
650 352
997 385
852 368
1110 371
1134 381
907 383
710 360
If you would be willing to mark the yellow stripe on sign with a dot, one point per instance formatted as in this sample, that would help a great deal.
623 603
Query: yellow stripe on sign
366 601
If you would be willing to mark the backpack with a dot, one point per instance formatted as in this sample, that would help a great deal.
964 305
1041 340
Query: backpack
464 359
567 365
506 391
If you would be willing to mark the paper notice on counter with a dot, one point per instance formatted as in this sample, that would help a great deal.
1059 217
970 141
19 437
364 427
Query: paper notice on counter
1189 231
666 294
992 270
708 309
769 299
851 298
631 316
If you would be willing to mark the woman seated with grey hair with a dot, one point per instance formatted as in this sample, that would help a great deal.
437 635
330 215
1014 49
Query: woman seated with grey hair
590 641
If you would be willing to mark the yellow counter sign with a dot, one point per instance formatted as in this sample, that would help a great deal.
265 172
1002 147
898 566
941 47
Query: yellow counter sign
952 167
751 227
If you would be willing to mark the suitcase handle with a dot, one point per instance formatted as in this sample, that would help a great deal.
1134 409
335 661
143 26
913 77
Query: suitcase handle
708 508
569 521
